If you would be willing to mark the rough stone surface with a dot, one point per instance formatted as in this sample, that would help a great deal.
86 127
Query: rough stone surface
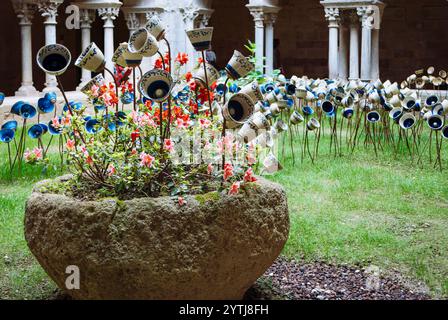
211 248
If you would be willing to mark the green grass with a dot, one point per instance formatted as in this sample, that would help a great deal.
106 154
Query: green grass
364 210
352 210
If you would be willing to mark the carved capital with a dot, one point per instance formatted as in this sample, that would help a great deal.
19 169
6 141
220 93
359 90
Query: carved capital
153 12
24 11
333 17
258 16
87 17
109 13
366 15
48 10
132 21
204 18
270 18
189 14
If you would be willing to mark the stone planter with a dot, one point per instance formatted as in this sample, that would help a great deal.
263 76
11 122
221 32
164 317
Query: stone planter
214 247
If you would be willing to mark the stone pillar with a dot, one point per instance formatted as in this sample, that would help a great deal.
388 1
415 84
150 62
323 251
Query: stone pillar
49 10
189 16
87 17
25 13
109 14
366 14
332 16
258 15
354 47
375 69
270 21
343 50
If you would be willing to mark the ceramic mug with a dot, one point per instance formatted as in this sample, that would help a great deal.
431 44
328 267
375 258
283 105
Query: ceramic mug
143 42
156 85
96 81
253 91
92 59
238 66
118 57
201 39
54 59
212 74
155 27
238 110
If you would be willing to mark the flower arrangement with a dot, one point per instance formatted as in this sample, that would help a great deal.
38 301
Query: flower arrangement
164 135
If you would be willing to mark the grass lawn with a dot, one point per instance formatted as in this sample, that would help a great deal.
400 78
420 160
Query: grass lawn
357 209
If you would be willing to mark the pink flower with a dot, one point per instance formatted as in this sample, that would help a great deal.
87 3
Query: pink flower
111 170
234 189
181 201
228 171
146 160
55 123
249 176
204 123
209 169
38 152
66 121
168 145
70 145
94 90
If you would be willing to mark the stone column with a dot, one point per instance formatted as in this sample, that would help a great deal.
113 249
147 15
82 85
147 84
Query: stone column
109 14
25 13
189 16
354 47
375 69
343 50
87 17
49 10
366 14
258 15
332 16
270 21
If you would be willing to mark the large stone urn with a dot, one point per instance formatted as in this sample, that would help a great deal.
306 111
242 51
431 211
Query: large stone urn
214 247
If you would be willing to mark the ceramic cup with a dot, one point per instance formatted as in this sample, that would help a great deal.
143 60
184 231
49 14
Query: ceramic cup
313 124
118 57
238 66
96 81
435 122
201 39
271 164
133 60
445 132
395 101
212 74
407 121
92 59
296 118
2 98
238 110
54 59
156 85
144 43
253 91
155 27
373 116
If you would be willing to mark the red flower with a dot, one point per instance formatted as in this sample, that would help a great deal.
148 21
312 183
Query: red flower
234 189
135 135
228 171
158 64
249 176
188 76
182 58
181 201
200 61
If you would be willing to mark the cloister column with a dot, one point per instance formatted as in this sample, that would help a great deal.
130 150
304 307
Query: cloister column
25 13
365 14
332 16
87 17
258 15
109 14
375 69
49 10
354 46
343 50
270 19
